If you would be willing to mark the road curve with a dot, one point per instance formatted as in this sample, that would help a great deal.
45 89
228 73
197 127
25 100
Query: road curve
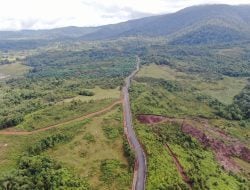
139 179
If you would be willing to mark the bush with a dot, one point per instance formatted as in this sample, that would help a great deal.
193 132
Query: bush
128 153
47 142
41 172
86 93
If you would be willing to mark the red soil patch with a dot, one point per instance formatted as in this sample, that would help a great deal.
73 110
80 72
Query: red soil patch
223 145
150 119
223 151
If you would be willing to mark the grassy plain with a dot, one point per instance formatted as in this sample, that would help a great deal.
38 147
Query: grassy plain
222 89
92 147
99 94
13 70
90 153
59 113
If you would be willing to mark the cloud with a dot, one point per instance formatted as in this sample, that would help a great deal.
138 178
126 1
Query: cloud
41 14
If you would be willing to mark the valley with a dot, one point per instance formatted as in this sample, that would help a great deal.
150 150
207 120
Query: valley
156 103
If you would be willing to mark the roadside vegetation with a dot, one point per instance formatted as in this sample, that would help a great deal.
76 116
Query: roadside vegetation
61 82
192 83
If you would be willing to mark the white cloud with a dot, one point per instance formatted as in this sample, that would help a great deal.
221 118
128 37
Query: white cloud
40 14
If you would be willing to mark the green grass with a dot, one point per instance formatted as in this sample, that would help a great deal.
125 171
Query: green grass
12 147
161 170
59 113
222 89
87 157
84 153
181 96
13 70
198 161
99 94
157 100
234 128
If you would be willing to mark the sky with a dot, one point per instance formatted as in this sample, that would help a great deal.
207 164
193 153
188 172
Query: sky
47 14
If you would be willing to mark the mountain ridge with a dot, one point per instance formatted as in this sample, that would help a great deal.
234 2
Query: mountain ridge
215 20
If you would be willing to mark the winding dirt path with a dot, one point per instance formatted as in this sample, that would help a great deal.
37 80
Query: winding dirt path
13 132
179 167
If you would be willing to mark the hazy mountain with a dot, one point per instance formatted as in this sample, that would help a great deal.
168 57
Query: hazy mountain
193 25
223 22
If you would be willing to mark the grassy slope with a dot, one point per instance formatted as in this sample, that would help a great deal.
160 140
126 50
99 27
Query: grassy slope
89 148
59 113
13 70
99 94
83 154
153 99
161 171
12 147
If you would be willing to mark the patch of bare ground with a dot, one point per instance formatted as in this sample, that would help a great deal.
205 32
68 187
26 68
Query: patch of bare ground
155 119
224 146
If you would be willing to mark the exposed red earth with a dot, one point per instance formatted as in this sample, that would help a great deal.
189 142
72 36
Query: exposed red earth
224 151
150 119
224 146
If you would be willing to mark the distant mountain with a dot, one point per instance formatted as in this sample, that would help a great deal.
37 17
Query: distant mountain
193 25
58 33
209 22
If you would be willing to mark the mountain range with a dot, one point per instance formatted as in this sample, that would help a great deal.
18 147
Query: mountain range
193 25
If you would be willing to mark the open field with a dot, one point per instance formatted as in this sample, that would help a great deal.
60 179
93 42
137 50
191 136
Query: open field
61 113
93 152
13 70
222 89
12 147
100 142
99 94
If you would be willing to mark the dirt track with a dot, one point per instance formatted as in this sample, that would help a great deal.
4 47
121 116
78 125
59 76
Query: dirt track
139 179
179 167
10 131
224 146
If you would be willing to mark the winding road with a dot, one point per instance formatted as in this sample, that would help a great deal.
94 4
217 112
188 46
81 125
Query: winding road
140 170
139 180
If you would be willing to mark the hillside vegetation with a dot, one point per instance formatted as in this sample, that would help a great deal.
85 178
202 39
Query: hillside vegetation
61 123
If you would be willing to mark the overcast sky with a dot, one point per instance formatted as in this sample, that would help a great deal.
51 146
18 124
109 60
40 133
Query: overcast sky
44 14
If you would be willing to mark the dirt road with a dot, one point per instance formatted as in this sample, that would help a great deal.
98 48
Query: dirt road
140 166
10 131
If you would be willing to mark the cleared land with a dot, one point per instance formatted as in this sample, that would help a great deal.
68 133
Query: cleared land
13 70
97 146
224 89
99 94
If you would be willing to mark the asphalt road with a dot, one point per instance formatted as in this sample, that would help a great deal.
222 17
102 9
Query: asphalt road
141 166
